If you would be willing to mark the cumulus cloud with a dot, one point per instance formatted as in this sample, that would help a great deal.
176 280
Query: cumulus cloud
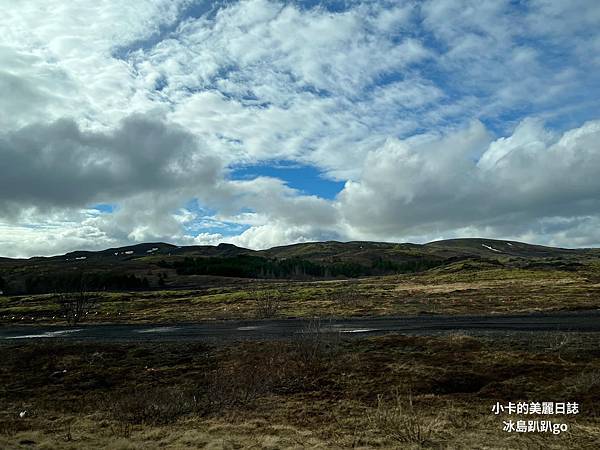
281 233
59 165
60 57
443 118
431 185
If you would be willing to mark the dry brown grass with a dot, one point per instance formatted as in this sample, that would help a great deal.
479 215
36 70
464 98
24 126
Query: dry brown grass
392 391
398 419
463 292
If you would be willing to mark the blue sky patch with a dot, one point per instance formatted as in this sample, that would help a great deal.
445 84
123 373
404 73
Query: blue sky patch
205 222
307 179
106 208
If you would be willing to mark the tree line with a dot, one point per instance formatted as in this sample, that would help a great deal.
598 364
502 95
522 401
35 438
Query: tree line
246 266
90 281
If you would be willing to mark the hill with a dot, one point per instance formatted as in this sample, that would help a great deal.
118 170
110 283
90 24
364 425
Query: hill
152 265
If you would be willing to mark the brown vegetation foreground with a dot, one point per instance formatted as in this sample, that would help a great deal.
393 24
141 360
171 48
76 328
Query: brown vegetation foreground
315 391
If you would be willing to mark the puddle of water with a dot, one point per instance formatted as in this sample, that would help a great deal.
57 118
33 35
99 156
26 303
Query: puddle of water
358 330
335 329
158 330
48 334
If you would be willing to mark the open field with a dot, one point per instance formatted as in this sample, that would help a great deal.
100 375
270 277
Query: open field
490 291
318 391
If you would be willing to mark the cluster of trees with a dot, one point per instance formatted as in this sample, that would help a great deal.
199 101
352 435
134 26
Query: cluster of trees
245 266
75 281
416 265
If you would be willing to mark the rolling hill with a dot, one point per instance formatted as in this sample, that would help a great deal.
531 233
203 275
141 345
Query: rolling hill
152 265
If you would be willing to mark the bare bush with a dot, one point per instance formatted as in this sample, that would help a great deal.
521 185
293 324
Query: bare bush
121 429
153 406
236 386
267 302
10 426
247 377
74 306
558 343
314 343
234 383
585 382
399 420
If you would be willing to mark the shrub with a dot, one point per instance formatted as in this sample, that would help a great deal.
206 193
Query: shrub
152 406
314 344
74 306
400 420
267 303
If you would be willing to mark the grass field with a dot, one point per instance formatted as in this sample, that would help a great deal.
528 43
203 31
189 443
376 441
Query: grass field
436 292
393 391
316 390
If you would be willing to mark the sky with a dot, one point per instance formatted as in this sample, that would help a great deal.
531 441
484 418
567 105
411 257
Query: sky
269 122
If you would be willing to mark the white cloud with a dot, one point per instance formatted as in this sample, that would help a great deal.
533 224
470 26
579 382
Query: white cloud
63 52
529 134
207 239
431 186
144 106
279 233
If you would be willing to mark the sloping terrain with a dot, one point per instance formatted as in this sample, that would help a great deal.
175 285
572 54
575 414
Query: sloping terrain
324 251
488 247
156 265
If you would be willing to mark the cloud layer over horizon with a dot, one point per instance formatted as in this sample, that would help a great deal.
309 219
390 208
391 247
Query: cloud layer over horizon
182 121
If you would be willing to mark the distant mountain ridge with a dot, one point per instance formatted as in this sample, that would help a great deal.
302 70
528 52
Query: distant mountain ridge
159 265
481 247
